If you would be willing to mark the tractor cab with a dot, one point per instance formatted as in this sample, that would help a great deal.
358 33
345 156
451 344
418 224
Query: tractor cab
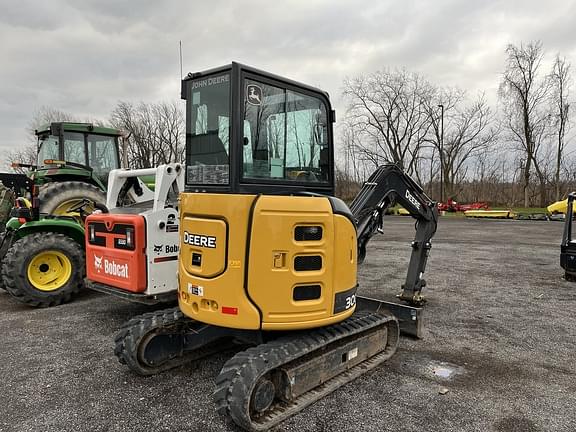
250 131
77 150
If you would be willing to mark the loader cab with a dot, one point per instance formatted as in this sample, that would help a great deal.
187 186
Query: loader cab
248 131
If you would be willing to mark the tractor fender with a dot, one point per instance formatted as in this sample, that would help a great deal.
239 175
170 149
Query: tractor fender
67 227
71 174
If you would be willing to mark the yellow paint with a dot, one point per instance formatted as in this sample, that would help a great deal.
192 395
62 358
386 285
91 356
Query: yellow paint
226 289
265 281
560 207
49 270
26 202
66 208
495 214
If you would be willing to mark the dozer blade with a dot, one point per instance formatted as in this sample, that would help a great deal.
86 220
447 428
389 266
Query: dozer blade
264 385
409 317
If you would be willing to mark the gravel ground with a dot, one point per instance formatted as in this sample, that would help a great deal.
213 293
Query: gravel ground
500 338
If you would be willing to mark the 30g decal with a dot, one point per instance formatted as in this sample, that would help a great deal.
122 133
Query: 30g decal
350 301
345 300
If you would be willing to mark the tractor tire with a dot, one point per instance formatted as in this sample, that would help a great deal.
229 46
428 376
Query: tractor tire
44 269
59 198
2 235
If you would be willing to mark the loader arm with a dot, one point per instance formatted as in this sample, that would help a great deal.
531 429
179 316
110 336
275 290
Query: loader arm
385 187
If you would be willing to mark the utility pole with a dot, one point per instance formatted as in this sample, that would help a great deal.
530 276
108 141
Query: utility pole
441 152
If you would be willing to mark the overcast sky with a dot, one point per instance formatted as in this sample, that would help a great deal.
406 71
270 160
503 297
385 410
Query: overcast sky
83 56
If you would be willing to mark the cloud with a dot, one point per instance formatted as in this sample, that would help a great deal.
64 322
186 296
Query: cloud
83 57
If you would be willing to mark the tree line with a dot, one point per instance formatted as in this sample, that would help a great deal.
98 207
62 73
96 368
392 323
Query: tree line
461 147
455 145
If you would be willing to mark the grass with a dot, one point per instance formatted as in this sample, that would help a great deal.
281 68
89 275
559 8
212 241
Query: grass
524 210
516 210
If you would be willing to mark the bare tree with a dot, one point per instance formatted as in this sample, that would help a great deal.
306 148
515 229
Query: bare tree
24 155
154 133
44 116
524 95
351 163
469 128
41 117
561 82
388 108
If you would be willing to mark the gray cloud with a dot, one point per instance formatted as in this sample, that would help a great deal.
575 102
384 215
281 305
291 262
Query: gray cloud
83 57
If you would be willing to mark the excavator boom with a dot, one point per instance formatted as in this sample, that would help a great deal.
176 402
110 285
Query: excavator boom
385 187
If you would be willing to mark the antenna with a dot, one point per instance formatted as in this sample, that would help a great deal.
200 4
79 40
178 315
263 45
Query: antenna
180 60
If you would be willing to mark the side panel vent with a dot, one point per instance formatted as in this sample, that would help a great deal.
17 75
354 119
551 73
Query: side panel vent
308 233
307 292
308 263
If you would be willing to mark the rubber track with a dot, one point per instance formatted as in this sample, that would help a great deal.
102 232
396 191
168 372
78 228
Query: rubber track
138 330
128 339
240 374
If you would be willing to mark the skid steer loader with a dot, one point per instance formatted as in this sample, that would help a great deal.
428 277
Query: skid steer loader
268 256
132 251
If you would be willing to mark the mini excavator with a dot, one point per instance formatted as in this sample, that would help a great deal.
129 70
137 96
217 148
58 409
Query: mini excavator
268 256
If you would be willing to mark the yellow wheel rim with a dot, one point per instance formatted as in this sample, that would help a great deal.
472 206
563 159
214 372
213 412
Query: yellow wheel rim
49 270
66 208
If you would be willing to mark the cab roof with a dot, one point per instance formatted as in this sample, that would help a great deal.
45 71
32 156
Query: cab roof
80 127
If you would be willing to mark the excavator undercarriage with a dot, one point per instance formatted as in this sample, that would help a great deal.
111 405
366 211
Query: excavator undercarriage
279 375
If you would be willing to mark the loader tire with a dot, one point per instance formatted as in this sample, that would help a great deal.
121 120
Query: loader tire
44 269
63 198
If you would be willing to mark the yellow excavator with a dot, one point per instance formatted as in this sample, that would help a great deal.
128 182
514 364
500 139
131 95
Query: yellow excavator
268 256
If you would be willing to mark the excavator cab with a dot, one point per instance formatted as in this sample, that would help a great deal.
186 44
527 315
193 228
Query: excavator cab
252 132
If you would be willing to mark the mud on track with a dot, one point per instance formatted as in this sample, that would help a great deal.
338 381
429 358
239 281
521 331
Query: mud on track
500 337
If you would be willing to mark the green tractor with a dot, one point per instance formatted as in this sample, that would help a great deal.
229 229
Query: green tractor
42 247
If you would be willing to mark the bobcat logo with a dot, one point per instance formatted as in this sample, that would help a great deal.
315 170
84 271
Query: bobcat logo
98 263
157 249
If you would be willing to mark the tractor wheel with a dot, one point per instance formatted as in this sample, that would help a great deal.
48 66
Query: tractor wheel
44 269
2 235
66 198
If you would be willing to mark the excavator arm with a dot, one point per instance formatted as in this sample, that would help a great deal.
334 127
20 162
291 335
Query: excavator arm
385 187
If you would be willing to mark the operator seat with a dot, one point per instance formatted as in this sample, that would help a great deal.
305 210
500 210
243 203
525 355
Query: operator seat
208 149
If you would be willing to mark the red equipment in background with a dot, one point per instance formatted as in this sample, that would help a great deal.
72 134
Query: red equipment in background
453 206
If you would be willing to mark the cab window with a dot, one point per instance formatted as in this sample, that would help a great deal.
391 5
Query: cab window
48 149
285 135
102 155
74 150
208 137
